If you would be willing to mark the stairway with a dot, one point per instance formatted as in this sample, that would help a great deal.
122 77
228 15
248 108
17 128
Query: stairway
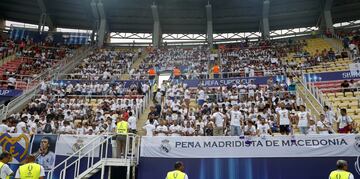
335 43
309 100
135 65
142 119
94 156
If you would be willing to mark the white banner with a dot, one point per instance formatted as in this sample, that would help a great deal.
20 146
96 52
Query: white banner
235 147
69 144
354 69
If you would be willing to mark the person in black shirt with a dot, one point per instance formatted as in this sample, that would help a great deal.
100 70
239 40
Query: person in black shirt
345 85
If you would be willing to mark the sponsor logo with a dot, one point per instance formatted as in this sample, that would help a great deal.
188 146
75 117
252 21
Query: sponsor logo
165 146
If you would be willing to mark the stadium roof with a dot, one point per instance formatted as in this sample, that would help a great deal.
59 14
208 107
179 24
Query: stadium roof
179 16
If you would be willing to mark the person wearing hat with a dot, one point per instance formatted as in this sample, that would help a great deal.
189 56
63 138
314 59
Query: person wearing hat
178 172
341 171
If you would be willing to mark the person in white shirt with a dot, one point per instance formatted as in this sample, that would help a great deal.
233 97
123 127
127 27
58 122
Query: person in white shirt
187 97
312 127
329 115
199 131
175 129
132 123
263 128
5 170
4 128
283 119
303 118
249 129
21 126
345 122
80 129
150 128
188 130
66 128
11 82
219 122
44 156
161 130
236 119
201 97
323 126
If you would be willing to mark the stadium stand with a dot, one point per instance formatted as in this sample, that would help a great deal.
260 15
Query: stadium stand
227 87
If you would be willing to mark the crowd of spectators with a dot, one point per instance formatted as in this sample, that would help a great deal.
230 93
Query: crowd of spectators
52 112
251 63
98 88
351 41
235 109
104 65
243 109
34 60
194 62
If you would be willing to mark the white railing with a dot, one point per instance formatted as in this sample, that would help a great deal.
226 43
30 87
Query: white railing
306 97
98 152
65 162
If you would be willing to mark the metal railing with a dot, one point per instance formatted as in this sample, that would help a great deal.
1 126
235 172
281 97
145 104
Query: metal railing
310 90
65 162
98 151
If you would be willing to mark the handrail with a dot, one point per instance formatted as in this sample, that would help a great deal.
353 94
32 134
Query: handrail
49 175
303 93
91 155
339 88
311 93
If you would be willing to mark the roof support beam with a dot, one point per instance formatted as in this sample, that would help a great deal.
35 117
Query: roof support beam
265 27
326 17
2 23
103 24
209 27
95 14
47 21
157 34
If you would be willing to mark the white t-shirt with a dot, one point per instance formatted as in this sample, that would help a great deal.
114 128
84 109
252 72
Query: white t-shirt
251 129
330 117
132 122
284 117
344 121
219 119
322 126
263 129
4 128
201 95
150 128
235 117
303 119
161 130
19 127
312 129
187 94
175 130
42 172
189 130
5 171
